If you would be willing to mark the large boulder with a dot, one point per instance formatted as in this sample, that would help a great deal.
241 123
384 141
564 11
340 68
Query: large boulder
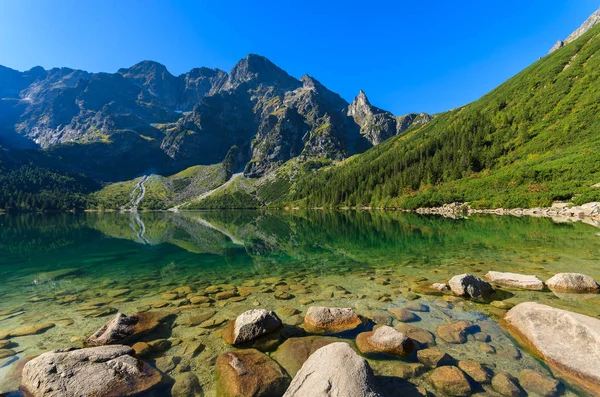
569 342
330 320
249 373
334 370
125 329
470 286
105 371
251 325
515 280
385 340
573 283
295 351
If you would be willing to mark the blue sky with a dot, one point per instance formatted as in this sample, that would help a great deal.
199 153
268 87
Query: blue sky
407 56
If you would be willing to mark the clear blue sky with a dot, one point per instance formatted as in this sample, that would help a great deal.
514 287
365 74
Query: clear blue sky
420 55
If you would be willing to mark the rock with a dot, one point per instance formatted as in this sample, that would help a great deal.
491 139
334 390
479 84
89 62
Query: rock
470 285
250 325
334 370
478 372
573 283
487 348
506 385
166 364
141 349
295 351
169 296
7 353
249 373
538 384
454 333
198 319
420 335
434 358
104 371
416 307
226 295
451 381
502 305
385 340
408 370
442 287
124 329
515 280
383 319
27 330
195 300
190 348
330 320
568 342
283 295
186 385
403 315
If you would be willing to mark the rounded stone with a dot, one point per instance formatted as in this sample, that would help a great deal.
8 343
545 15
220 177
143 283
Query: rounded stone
572 283
451 381
507 385
385 340
330 320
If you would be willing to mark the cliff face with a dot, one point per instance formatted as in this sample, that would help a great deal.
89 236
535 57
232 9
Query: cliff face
143 118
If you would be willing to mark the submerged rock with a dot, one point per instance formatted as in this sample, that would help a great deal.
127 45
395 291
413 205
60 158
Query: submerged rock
569 342
27 330
403 315
420 335
507 385
106 371
250 325
334 370
434 358
573 283
186 385
478 372
249 373
470 285
330 320
451 381
295 351
454 333
123 329
515 280
542 385
385 340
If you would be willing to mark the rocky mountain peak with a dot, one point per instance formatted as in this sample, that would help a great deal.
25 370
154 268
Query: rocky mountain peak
589 23
259 69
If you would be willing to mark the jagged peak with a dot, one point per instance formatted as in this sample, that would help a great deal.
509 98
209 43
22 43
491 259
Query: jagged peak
145 67
361 99
261 69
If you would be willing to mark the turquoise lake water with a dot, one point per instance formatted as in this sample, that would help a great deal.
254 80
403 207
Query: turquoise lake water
76 270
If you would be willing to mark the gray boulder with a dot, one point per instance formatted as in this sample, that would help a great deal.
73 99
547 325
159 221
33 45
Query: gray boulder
573 283
250 325
106 371
125 329
515 280
470 285
568 342
334 370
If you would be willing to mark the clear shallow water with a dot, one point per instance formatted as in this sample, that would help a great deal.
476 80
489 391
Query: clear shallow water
76 270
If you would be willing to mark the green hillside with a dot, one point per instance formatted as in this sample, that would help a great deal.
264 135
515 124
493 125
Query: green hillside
534 139
163 192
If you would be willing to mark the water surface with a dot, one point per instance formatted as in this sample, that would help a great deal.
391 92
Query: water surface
77 270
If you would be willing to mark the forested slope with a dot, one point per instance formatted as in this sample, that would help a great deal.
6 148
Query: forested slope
534 139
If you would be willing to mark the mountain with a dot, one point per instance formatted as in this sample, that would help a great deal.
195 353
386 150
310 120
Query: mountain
531 141
143 119
377 125
584 28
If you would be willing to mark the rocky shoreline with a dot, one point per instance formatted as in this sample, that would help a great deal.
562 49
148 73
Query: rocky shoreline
336 351
565 212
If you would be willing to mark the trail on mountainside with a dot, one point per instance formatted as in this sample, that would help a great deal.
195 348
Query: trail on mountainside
209 193
136 199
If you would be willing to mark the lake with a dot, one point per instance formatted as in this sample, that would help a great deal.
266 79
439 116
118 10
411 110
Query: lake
75 271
